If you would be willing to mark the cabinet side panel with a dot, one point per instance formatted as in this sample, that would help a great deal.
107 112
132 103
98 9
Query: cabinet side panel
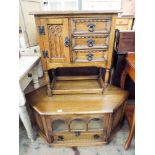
111 41
41 44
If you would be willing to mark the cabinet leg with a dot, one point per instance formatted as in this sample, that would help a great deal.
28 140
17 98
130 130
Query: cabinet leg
26 122
49 92
107 73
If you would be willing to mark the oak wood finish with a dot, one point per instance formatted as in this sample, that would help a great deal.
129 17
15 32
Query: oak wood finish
79 119
124 23
76 39
84 109
130 109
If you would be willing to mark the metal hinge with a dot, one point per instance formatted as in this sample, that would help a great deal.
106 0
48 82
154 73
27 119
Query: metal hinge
45 54
41 30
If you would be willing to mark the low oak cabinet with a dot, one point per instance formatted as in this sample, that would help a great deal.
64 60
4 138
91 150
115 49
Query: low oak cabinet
77 119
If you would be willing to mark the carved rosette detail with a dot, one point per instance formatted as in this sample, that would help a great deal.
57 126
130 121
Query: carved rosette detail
55 30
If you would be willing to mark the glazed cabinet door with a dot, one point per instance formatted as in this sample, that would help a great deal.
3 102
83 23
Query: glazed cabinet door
56 39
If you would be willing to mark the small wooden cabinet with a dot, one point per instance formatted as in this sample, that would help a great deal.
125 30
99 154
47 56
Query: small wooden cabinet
76 39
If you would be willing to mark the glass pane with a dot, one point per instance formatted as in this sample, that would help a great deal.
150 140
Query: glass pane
61 5
101 4
77 125
95 123
59 125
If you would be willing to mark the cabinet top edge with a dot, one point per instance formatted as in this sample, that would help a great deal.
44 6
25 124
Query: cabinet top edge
41 13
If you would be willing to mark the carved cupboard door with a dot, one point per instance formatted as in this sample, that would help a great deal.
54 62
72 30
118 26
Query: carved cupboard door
56 39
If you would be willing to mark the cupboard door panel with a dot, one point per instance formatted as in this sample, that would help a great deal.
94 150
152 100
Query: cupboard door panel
56 39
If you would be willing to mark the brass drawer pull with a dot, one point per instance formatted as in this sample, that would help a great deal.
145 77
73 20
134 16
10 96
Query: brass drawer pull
90 43
91 27
90 57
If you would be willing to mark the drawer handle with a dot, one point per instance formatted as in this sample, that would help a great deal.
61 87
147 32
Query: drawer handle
90 57
91 27
96 136
29 75
67 42
77 133
90 43
60 138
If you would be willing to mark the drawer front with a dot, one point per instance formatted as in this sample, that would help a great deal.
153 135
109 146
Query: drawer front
90 42
79 137
123 21
24 82
87 56
90 25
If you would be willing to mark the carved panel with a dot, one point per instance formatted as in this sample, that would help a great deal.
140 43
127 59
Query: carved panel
56 40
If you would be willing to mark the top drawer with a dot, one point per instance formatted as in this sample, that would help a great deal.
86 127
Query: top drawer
91 25
122 21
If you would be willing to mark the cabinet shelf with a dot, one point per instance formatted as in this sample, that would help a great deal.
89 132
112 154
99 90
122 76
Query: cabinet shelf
76 85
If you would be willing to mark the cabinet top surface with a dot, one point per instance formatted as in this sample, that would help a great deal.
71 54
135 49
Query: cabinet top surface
74 12
76 104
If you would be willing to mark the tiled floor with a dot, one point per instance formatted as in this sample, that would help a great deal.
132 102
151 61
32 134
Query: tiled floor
115 147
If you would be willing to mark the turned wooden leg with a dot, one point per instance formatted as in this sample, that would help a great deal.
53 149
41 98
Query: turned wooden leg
49 92
107 73
24 116
35 78
131 133
26 122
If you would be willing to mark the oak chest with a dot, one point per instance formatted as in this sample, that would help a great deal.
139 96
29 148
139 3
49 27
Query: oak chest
76 39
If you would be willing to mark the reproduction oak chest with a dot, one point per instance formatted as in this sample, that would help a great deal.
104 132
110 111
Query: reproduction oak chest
76 39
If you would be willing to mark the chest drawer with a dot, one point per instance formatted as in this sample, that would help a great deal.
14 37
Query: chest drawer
90 25
122 21
79 137
90 42
87 56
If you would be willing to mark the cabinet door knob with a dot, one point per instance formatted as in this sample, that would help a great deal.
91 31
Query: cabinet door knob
67 42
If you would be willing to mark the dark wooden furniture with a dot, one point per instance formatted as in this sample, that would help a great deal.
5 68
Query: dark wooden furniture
130 109
124 44
79 109
77 119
